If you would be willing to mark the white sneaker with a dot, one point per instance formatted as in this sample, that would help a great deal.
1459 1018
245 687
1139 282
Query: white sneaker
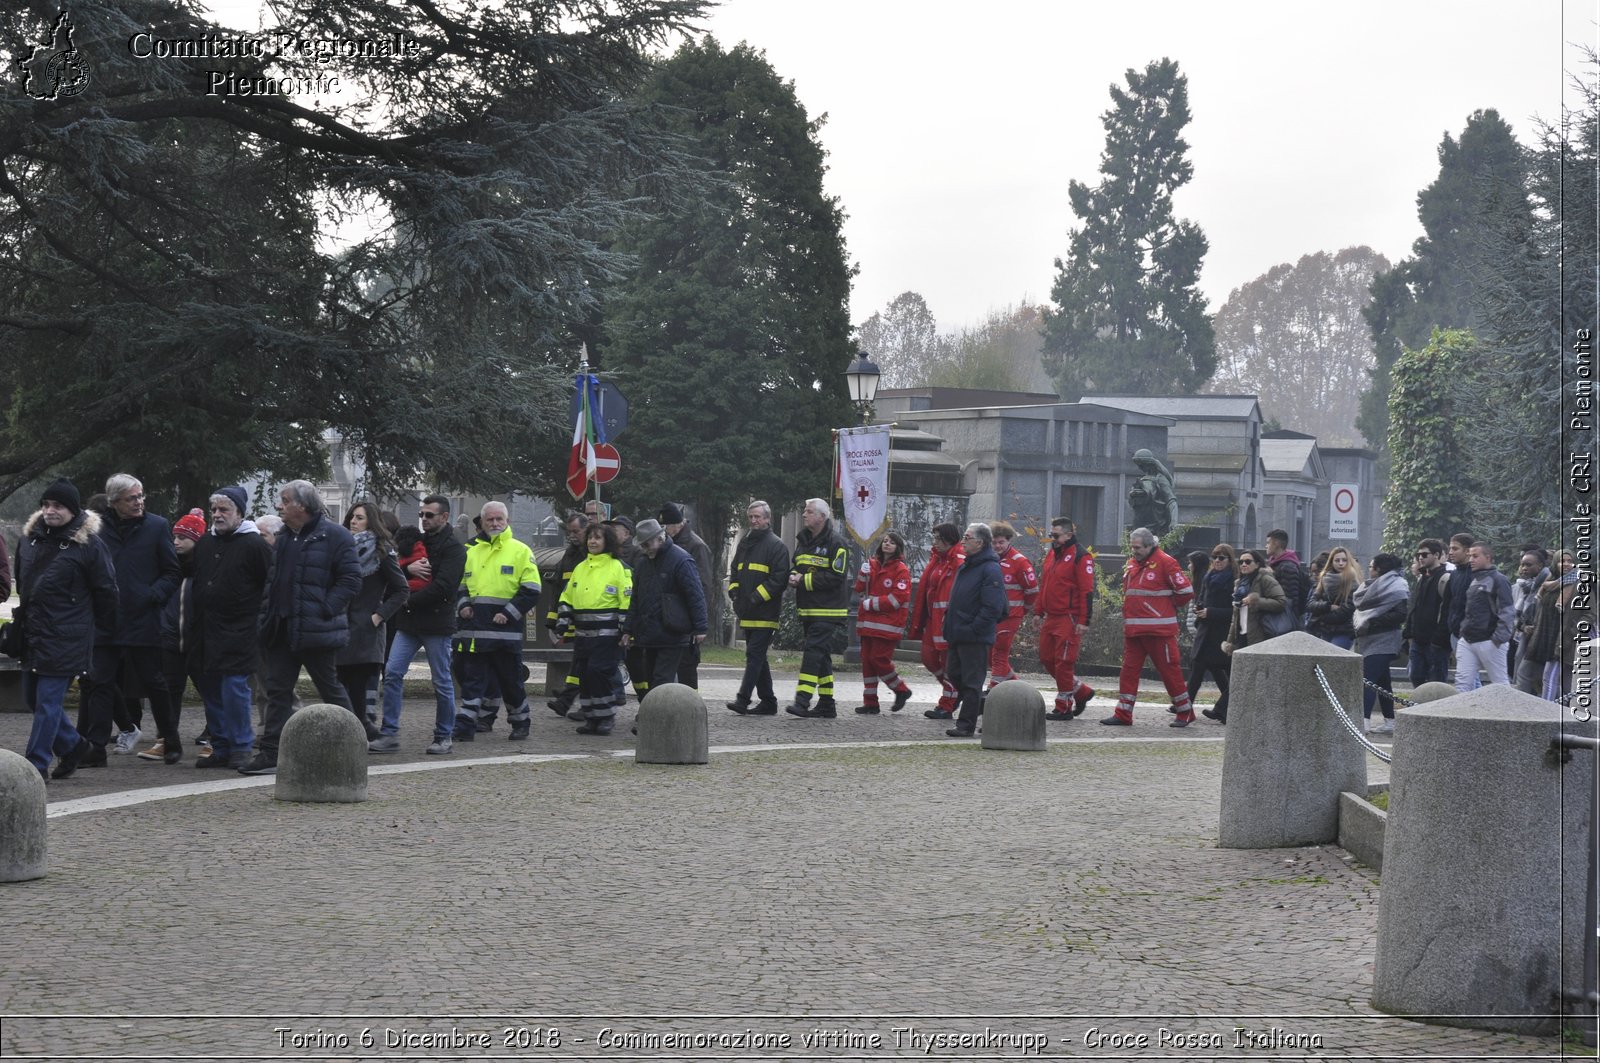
126 740
1382 727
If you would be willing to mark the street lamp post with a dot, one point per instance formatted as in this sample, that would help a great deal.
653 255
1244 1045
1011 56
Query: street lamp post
862 376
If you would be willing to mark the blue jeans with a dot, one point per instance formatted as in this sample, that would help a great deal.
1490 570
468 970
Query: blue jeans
1428 663
401 653
52 732
1344 642
1375 669
228 715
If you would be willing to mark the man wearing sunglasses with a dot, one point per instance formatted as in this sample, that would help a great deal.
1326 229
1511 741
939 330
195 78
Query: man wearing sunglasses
1427 626
426 623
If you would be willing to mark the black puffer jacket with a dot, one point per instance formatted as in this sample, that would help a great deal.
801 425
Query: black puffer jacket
1329 616
315 576
147 575
977 600
223 595
68 586
666 593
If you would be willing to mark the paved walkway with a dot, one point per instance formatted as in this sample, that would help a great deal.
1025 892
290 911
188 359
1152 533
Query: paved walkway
926 898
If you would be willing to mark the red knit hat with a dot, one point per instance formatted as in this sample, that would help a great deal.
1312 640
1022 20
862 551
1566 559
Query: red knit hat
191 525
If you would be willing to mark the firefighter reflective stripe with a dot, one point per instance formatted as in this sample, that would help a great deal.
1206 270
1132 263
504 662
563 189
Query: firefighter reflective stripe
770 625
824 613
762 590
755 566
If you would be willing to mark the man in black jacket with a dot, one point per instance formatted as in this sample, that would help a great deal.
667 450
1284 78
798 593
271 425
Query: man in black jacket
676 524
315 574
220 634
68 588
668 614
977 605
822 598
1427 626
426 623
128 648
760 576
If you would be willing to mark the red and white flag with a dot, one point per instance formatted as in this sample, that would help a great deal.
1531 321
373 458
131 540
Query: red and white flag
586 432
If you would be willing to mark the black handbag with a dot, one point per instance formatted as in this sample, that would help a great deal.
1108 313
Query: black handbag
14 636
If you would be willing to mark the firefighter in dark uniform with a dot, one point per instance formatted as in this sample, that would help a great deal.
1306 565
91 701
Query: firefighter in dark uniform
822 598
759 579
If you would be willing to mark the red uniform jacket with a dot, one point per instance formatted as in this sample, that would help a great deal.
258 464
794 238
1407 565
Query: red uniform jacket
938 577
882 613
1022 586
1154 589
1067 587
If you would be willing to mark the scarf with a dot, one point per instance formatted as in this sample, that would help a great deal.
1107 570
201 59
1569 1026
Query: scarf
1377 596
367 552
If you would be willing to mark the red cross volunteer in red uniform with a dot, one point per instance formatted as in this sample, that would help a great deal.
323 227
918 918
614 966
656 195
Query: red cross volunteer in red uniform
1066 604
1022 587
1154 587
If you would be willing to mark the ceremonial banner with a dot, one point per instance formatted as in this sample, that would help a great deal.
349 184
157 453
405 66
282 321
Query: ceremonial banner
864 482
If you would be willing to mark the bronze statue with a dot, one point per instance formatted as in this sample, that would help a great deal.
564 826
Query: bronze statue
1153 496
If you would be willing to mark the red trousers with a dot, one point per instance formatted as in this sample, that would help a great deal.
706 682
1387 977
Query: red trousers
1000 653
933 659
1058 652
1162 650
877 662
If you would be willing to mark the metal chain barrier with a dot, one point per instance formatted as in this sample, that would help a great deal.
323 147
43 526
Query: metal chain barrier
1391 695
1344 718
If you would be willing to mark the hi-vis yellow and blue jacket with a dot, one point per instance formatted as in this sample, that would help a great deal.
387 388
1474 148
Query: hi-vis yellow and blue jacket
824 590
501 577
759 576
596 599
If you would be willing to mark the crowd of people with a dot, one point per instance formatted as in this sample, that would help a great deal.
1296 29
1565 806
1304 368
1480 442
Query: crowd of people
134 608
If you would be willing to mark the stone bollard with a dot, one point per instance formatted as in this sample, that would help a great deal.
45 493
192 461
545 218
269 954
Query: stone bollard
672 727
1287 756
1471 914
322 756
22 830
1431 692
1013 717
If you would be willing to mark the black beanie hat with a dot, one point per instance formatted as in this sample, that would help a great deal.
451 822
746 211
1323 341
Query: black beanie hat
65 494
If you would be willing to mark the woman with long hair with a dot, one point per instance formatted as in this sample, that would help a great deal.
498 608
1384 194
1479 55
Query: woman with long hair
383 593
1332 604
1381 606
1213 610
884 584
590 613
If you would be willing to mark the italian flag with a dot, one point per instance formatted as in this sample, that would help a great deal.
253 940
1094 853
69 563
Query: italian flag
585 434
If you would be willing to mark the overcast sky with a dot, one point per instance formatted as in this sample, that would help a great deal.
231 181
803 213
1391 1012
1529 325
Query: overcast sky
953 129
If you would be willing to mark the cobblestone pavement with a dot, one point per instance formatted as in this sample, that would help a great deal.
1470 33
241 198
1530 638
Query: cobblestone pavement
919 894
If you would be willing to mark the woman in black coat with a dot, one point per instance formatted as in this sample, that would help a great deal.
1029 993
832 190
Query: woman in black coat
67 584
1213 609
383 594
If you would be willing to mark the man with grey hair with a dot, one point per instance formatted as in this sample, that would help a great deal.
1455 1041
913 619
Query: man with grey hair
759 576
822 598
128 648
498 590
977 605
1154 588
315 575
